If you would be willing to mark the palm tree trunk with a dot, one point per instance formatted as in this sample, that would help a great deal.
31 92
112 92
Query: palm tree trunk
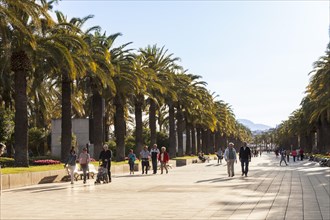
120 127
199 139
106 127
66 132
139 124
188 138
223 141
217 140
152 122
204 140
20 66
179 126
193 140
323 135
98 129
208 146
172 147
211 146
306 142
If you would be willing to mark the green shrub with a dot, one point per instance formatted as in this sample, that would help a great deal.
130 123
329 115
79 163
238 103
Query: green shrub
37 141
7 162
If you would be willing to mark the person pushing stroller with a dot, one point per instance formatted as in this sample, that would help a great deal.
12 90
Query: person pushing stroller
102 173
105 159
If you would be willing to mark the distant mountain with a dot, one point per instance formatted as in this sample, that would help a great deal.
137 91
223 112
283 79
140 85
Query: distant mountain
252 126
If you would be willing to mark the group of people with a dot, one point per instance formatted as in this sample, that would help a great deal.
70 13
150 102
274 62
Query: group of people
145 155
84 158
230 157
105 156
285 155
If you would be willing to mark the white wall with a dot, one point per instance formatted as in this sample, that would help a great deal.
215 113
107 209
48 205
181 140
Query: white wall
80 127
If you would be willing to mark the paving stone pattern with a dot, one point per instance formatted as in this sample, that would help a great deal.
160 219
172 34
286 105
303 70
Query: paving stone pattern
197 191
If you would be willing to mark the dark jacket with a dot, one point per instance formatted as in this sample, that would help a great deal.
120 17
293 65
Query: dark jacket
71 160
105 155
245 154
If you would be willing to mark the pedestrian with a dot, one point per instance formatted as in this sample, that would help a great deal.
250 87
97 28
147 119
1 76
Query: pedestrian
230 157
131 160
220 155
163 158
245 158
282 152
105 158
294 155
84 159
154 155
301 153
297 153
71 163
287 152
144 157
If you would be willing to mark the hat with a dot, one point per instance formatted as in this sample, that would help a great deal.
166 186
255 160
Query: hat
231 144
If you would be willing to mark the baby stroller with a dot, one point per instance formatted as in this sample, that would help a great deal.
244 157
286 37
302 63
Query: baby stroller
102 174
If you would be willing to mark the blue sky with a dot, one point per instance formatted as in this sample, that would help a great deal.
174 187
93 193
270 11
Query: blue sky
255 55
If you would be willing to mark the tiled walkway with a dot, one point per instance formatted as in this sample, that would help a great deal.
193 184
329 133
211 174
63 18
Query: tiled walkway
198 191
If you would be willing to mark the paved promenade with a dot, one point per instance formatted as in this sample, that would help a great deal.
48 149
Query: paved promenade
197 191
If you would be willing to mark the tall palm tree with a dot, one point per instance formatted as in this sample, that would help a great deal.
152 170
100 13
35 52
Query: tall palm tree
99 80
78 65
126 82
160 63
319 92
20 22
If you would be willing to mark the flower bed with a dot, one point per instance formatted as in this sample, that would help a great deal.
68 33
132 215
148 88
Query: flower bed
46 162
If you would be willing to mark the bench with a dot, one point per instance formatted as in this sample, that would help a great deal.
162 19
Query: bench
91 172
168 166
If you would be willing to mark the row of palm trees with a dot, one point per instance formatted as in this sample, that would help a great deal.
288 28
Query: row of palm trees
51 68
309 126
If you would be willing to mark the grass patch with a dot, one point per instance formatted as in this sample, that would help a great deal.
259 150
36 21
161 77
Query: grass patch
193 157
15 170
184 157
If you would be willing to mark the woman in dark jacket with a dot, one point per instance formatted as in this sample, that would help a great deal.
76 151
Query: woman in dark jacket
105 158
71 163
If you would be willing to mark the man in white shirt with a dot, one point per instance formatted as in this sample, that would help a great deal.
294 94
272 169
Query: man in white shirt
230 157
144 157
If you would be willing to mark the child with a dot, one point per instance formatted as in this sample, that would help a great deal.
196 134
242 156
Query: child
131 160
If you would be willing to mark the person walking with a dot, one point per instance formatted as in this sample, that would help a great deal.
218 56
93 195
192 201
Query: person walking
282 152
287 152
231 158
71 163
84 159
301 153
163 157
154 156
245 158
220 155
105 158
294 155
131 160
144 157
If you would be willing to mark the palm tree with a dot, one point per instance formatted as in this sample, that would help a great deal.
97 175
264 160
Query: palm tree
126 82
99 80
319 92
21 20
79 62
160 63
